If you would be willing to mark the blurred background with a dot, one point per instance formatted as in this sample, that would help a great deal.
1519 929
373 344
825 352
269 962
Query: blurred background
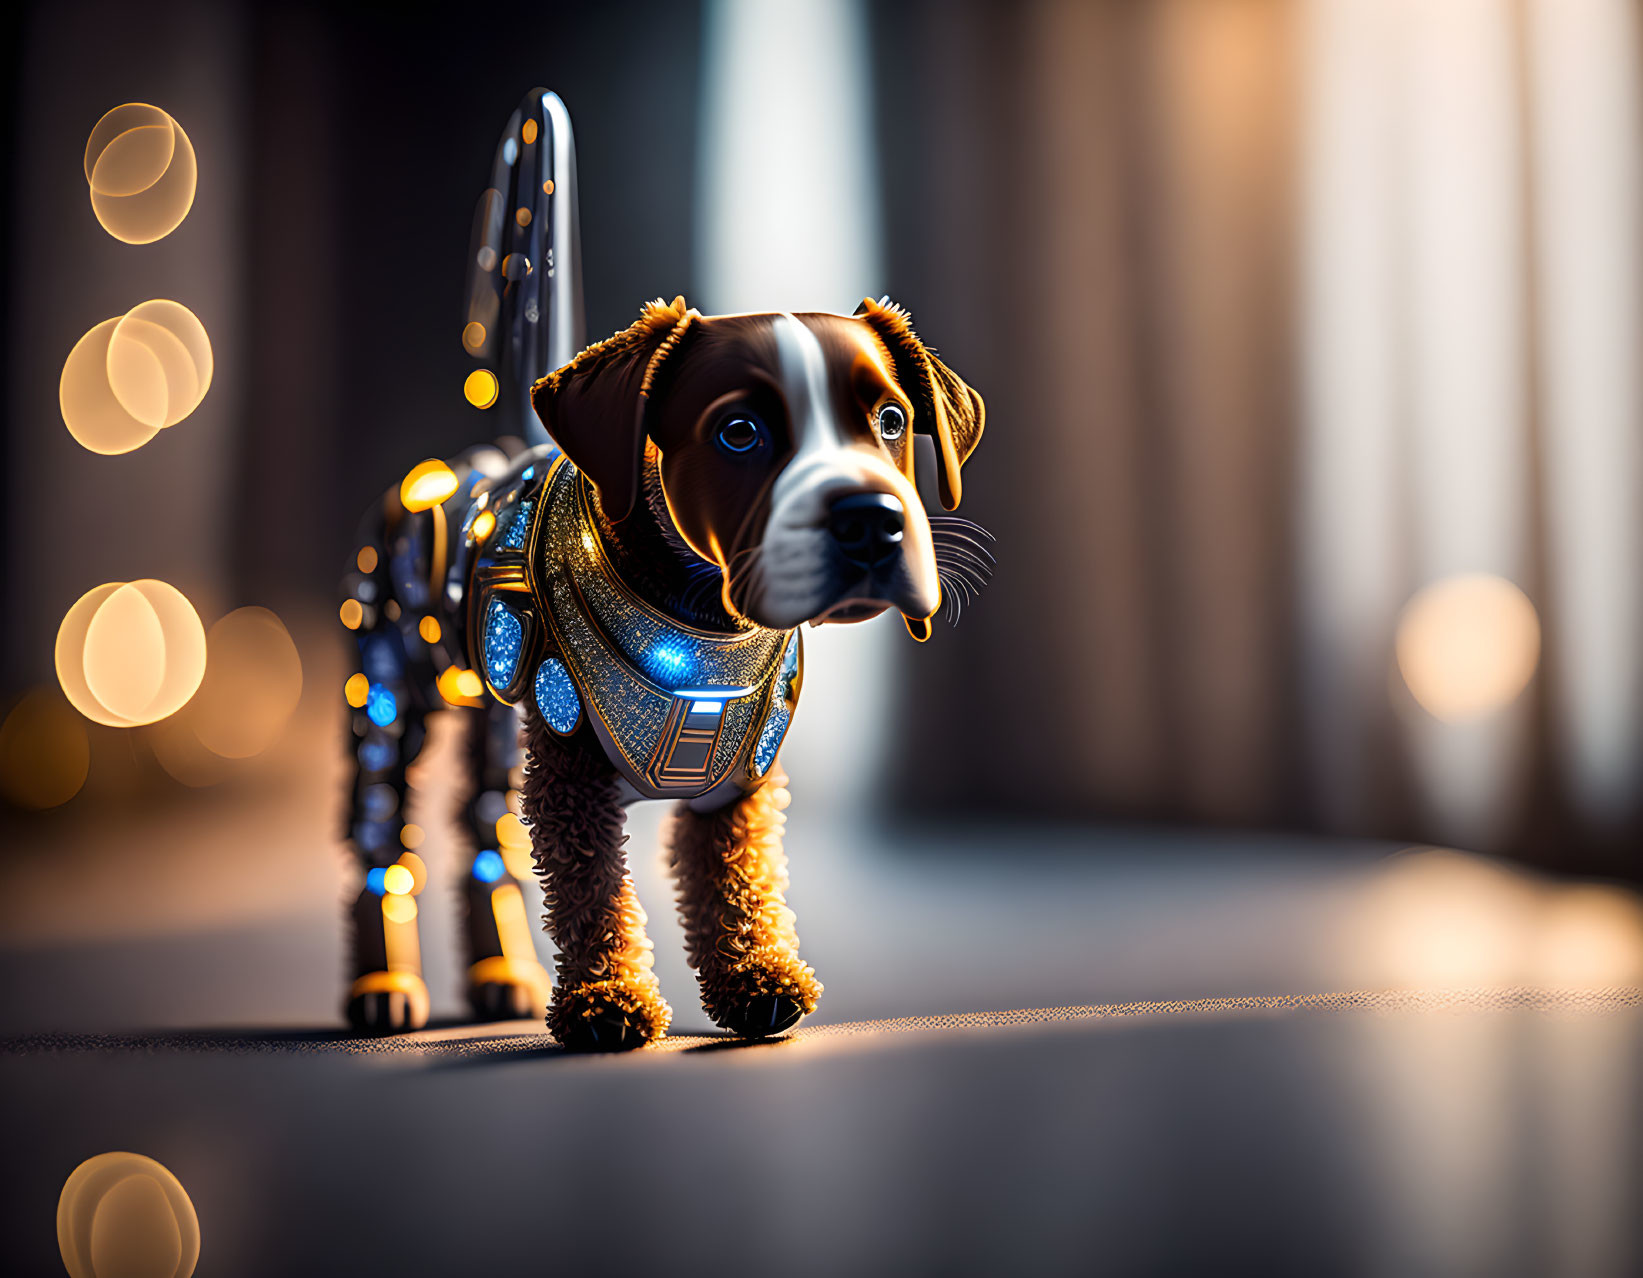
1309 332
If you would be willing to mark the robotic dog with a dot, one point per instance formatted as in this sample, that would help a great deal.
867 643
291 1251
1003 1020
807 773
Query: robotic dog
631 585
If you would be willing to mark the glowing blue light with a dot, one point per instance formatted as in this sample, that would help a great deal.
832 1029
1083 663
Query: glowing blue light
671 661
504 637
377 880
380 706
530 473
488 866
556 696
376 756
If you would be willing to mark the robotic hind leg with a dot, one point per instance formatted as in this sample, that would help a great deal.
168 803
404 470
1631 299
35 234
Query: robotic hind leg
505 977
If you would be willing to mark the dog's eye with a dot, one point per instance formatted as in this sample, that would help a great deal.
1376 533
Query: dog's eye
892 422
740 435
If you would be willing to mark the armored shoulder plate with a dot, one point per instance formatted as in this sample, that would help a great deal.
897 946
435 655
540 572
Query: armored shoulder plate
678 710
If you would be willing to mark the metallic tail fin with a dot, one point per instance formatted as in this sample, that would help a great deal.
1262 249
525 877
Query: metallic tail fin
523 303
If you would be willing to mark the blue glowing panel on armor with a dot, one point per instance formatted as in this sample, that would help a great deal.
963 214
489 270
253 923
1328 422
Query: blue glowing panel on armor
377 880
488 866
380 706
770 738
556 696
671 661
517 522
504 637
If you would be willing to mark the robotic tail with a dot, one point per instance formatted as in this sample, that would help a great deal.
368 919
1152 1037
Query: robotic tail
523 316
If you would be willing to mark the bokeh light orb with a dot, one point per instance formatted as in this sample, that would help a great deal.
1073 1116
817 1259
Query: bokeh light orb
130 652
44 752
132 376
1467 645
142 172
253 681
121 1215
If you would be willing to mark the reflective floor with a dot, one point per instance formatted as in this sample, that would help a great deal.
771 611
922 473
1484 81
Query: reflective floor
1202 1102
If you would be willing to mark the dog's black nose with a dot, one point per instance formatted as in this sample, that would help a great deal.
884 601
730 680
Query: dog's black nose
867 528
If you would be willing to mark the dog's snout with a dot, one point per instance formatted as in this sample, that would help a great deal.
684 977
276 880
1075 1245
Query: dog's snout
867 527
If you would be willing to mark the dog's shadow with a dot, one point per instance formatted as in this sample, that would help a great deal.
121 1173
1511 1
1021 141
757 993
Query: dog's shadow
450 1043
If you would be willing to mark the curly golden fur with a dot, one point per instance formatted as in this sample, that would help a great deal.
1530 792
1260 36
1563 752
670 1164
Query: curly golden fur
604 989
739 933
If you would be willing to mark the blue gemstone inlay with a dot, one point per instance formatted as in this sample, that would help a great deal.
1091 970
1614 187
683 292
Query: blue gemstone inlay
380 706
377 880
515 524
488 866
770 738
556 696
790 663
504 636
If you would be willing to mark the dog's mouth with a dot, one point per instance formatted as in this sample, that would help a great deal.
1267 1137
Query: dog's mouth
853 609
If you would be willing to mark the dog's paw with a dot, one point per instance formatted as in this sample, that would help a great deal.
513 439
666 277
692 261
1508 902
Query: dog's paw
761 999
608 1016
387 1003
503 989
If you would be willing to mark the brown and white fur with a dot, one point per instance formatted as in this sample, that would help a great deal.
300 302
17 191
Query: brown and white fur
817 518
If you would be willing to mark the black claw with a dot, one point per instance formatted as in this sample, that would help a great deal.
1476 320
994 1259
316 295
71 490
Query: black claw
765 1017
604 1031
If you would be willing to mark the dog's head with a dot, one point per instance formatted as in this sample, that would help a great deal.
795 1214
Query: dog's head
785 448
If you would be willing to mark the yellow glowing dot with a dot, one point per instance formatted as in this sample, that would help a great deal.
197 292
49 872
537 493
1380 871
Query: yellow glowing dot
142 172
419 871
481 388
398 881
460 687
484 525
522 215
397 908
356 690
352 613
547 187
127 1214
1467 645
428 483
473 335
529 131
367 559
511 832
130 653
411 836
428 628
44 753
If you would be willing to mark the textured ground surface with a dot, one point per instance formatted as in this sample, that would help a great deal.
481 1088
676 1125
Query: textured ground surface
1199 1096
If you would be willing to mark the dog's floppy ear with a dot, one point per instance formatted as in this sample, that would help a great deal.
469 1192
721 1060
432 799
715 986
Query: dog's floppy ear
595 406
943 406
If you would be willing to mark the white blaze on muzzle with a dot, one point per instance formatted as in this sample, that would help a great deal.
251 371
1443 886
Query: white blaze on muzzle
801 578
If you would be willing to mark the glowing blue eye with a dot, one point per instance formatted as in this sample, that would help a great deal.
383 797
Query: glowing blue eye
740 435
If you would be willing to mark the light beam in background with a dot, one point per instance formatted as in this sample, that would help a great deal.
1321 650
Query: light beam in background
1467 341
1467 645
1586 134
787 220
1416 440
